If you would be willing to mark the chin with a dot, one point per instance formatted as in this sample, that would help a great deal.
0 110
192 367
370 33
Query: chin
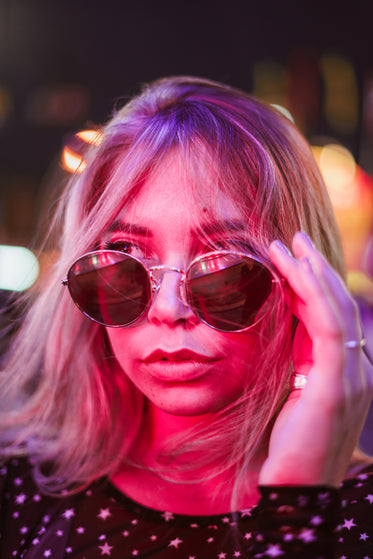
190 405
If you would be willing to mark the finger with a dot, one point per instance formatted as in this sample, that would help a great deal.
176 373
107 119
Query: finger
333 283
314 281
311 302
314 304
343 300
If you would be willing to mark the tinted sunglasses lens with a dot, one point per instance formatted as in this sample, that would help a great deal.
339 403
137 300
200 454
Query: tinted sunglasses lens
227 291
110 287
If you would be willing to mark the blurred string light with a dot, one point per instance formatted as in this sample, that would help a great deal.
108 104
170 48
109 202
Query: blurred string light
19 268
72 158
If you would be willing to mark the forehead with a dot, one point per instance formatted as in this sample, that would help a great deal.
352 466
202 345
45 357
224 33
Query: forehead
177 192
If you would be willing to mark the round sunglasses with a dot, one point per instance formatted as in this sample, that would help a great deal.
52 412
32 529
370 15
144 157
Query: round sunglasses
228 291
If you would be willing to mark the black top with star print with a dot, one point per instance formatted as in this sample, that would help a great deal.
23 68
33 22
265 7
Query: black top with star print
289 522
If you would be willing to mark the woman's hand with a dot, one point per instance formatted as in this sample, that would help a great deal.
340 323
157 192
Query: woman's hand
317 430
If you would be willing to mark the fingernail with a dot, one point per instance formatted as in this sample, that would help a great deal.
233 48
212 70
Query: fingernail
306 238
282 247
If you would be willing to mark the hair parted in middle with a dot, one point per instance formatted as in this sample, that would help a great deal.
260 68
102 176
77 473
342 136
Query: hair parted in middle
68 402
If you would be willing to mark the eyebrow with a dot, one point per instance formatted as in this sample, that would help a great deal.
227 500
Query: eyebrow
214 227
140 230
211 228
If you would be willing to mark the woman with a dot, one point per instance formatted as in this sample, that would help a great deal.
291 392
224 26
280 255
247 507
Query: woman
217 374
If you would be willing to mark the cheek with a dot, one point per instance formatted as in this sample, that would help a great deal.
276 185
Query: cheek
121 341
242 345
242 357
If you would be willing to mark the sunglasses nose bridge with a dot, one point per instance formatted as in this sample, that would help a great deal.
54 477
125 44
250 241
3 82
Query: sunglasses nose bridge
156 274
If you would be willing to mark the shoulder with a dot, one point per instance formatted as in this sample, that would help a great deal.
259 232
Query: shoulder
19 493
15 475
358 485
25 512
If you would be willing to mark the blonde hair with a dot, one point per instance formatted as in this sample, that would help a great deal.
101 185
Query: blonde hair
63 399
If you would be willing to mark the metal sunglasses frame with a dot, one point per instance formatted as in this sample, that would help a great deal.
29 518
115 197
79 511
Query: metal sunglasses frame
155 282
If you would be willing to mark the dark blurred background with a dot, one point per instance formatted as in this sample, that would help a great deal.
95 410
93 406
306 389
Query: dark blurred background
64 64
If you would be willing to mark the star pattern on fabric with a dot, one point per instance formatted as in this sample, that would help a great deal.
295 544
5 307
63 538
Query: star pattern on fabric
349 524
364 536
69 513
105 524
106 549
307 535
20 499
246 512
104 514
175 543
168 516
274 550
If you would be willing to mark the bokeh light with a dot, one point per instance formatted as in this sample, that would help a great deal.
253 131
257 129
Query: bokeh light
338 168
351 193
72 158
19 268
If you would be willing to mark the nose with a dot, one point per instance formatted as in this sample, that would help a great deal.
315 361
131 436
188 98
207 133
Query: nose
168 305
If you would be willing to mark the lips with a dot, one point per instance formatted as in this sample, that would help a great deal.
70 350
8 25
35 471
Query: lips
183 365
181 355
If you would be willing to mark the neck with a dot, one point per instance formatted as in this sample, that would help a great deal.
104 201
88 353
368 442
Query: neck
161 428
155 480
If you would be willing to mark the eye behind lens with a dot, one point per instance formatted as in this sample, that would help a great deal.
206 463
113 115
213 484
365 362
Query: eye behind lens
227 292
110 287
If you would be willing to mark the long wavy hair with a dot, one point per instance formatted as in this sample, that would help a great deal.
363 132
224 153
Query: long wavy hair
64 400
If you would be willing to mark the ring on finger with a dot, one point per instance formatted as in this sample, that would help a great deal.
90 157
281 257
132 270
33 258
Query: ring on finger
352 344
298 381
